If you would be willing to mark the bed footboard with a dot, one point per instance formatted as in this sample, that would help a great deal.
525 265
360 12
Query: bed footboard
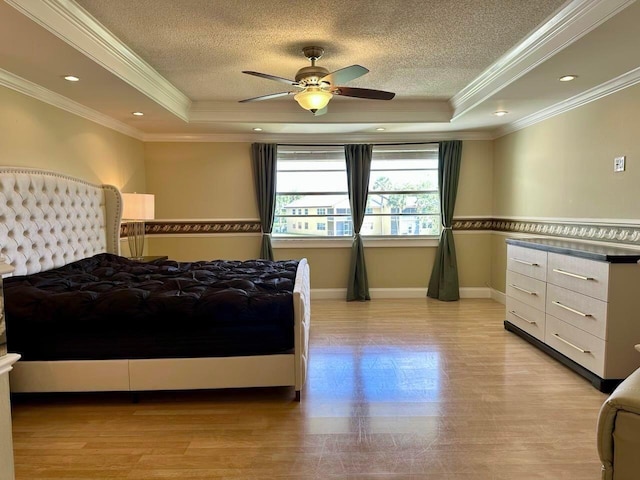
302 316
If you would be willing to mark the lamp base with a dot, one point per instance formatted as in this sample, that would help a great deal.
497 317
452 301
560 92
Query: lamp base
135 236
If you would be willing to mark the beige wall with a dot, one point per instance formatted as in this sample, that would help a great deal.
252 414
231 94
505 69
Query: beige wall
559 168
475 190
201 180
214 181
563 168
34 134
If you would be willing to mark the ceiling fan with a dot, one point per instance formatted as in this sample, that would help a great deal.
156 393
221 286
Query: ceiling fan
318 86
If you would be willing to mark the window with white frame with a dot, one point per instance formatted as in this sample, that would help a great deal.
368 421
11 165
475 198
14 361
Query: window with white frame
403 198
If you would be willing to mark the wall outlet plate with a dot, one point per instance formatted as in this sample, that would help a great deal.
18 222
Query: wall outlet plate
618 164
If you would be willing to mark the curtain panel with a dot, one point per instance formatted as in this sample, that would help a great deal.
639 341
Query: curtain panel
263 157
358 158
443 284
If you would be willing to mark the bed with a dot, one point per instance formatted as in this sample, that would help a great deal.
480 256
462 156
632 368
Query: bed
54 225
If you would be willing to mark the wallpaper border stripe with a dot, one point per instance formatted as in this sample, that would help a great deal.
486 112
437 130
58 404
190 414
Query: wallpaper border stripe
627 234
600 231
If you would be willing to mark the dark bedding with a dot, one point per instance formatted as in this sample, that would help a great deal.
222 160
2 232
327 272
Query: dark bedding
109 307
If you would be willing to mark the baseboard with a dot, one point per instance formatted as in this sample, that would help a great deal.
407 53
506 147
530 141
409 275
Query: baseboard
498 296
475 292
341 293
398 292
328 293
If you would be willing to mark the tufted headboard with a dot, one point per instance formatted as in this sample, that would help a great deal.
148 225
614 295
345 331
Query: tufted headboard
48 220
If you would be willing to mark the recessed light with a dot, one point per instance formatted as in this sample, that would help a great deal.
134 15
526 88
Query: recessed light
500 113
71 78
137 114
380 129
257 129
567 78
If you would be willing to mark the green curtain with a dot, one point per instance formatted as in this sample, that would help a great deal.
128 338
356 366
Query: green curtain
263 157
358 159
443 284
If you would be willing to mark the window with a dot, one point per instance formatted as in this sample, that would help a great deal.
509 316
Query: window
403 192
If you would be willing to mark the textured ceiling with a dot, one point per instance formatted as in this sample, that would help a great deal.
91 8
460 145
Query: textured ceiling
416 48
451 63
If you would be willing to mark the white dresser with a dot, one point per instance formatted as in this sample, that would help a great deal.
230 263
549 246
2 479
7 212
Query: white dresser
6 363
578 302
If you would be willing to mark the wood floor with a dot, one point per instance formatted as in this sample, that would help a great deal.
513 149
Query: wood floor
398 389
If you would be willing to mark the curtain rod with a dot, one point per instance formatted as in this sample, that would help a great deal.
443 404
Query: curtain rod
343 144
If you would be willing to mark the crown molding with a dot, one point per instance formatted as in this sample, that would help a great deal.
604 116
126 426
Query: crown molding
329 138
575 20
21 85
612 86
70 22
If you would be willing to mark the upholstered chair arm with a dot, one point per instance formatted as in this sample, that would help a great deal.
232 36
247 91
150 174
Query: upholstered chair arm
618 431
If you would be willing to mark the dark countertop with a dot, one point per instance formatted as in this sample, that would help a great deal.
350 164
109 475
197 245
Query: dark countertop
591 251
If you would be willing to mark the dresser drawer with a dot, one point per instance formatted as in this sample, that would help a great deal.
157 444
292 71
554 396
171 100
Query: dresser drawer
526 289
580 346
527 318
586 313
527 261
579 274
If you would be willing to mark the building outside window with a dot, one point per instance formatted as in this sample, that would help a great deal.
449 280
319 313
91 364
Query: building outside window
403 198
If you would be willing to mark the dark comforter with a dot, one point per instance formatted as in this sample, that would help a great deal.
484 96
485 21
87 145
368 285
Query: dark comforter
111 307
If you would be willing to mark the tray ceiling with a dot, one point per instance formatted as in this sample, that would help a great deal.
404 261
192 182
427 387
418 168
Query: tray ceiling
451 64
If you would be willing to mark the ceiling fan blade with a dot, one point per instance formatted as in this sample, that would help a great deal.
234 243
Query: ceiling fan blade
344 75
270 77
363 93
266 97
322 111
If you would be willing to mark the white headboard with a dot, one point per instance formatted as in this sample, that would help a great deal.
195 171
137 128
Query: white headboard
48 220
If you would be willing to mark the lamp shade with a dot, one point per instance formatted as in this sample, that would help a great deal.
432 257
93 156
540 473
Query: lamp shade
138 206
313 98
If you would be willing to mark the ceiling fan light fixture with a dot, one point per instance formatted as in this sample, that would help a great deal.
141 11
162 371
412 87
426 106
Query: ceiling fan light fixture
313 98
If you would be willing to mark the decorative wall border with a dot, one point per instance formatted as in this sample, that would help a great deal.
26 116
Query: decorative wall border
205 227
627 234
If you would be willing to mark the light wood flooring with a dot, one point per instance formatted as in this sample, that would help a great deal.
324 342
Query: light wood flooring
397 389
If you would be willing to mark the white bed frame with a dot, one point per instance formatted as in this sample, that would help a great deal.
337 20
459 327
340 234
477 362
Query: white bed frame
52 220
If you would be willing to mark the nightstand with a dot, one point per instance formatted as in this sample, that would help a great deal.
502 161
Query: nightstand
6 364
149 259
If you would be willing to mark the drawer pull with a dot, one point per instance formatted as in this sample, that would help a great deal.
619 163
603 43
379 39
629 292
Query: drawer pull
572 310
574 275
570 344
529 292
530 322
525 262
